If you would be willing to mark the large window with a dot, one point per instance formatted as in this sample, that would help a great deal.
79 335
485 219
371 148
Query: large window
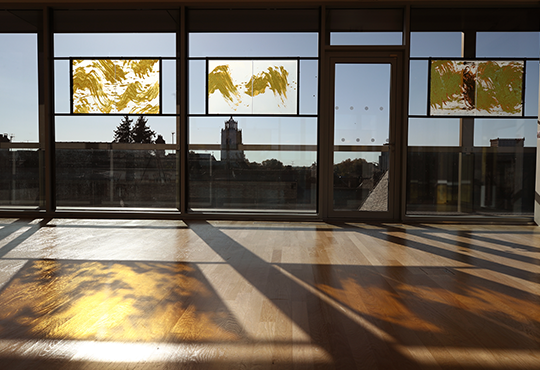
477 161
263 110
253 121
433 143
115 120
504 176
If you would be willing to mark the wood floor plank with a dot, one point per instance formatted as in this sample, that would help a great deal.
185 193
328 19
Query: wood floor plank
129 294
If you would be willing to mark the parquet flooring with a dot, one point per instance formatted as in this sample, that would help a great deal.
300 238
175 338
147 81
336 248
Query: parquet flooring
142 294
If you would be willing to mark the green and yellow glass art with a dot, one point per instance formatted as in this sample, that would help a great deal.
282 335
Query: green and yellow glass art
476 88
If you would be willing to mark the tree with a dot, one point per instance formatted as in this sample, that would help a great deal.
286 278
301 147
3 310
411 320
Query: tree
122 134
273 164
351 168
141 133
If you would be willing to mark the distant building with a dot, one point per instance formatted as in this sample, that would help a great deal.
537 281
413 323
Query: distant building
231 139
513 143
160 140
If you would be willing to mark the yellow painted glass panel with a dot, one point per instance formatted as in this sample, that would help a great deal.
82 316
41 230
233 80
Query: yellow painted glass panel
116 86
252 86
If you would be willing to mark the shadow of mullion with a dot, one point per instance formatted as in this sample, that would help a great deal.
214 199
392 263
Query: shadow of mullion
24 236
326 324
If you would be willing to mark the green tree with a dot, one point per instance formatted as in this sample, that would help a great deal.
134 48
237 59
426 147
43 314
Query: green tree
122 134
141 133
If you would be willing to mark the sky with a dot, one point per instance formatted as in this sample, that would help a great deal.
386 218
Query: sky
357 86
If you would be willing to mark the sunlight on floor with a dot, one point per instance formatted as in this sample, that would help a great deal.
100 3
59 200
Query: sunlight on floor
224 294
162 352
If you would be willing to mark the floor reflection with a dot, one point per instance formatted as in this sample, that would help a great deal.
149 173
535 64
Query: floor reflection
261 295
435 306
127 302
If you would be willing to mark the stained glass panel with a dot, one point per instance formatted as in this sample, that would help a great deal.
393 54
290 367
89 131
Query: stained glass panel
116 86
476 88
252 86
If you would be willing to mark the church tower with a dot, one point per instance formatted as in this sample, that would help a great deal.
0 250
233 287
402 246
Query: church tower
231 138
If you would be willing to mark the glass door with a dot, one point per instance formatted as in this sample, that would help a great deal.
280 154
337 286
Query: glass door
363 116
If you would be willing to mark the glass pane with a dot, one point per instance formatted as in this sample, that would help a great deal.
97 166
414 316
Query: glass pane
62 86
366 38
493 182
116 178
361 181
309 86
504 180
19 182
362 104
296 44
90 172
436 44
100 129
361 118
19 107
434 132
197 87
508 44
19 87
505 132
256 130
168 87
432 181
253 163
114 44
531 88
418 87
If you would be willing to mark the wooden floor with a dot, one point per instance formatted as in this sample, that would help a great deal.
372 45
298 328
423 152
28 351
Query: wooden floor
102 294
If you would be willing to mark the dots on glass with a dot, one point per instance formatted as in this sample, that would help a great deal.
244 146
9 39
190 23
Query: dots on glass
372 140
366 108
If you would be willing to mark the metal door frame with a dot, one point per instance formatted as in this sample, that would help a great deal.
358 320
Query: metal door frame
396 143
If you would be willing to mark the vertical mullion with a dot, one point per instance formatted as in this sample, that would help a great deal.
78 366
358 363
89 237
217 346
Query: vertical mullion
46 111
403 150
324 149
537 185
523 87
71 85
466 136
160 86
181 111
